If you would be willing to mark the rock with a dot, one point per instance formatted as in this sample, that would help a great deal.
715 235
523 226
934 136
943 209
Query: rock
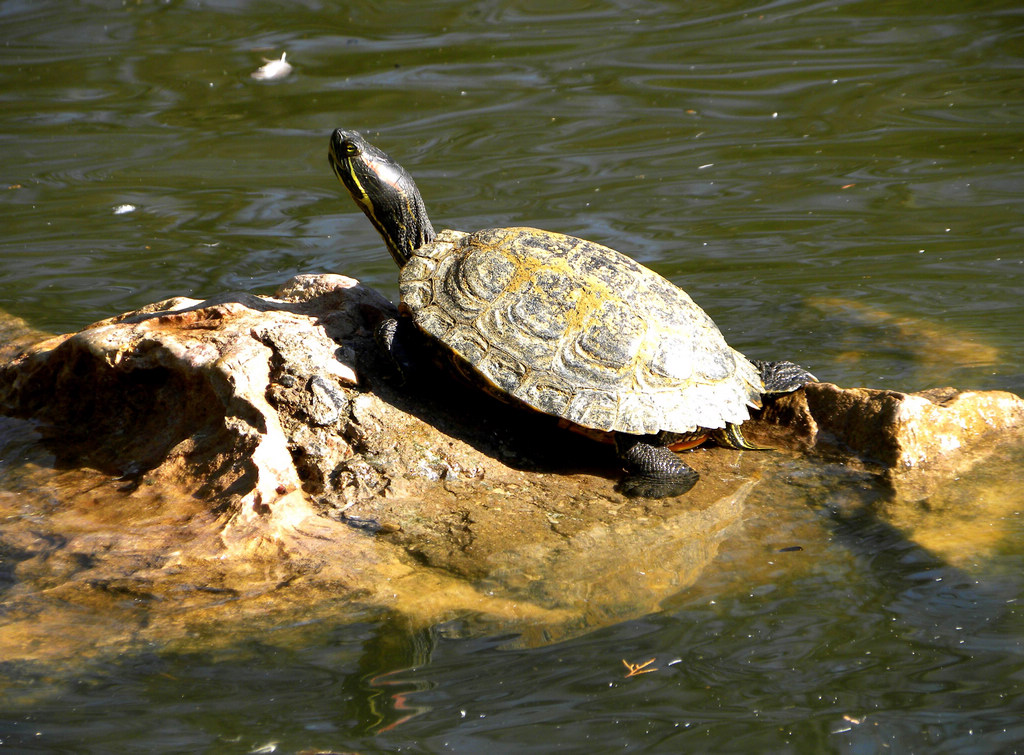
243 444
185 386
253 457
896 430
916 442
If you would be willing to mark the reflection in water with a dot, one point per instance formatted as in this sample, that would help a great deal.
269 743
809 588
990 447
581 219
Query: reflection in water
918 586
390 695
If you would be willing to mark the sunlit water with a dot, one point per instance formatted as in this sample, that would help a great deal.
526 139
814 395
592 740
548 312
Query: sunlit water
836 183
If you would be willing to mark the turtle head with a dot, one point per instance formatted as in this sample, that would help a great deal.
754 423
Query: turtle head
384 191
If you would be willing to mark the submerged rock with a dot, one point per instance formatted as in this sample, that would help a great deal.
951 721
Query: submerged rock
856 333
254 457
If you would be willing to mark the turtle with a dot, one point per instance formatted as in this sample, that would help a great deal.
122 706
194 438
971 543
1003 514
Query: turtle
563 326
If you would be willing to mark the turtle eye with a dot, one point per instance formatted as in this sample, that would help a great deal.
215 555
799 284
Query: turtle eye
351 149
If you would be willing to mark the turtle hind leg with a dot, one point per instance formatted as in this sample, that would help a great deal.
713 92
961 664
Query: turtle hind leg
652 471
782 377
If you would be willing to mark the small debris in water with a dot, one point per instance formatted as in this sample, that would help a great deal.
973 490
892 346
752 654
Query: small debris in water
123 209
791 549
369 524
272 69
635 669
849 719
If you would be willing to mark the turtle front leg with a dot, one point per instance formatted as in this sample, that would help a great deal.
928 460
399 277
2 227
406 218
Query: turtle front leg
779 378
395 340
782 377
652 471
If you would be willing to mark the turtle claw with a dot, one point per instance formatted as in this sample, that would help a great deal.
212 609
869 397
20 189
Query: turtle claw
389 337
782 377
652 471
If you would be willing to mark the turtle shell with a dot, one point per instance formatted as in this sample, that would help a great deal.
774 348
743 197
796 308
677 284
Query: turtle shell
577 330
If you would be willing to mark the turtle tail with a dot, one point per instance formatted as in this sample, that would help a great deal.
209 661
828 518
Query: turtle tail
732 437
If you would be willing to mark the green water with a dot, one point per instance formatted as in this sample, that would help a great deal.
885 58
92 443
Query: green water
836 183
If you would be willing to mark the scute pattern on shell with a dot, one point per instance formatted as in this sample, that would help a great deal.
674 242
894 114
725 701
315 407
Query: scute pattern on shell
579 331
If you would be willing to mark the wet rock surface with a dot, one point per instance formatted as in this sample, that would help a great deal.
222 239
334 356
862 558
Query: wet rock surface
915 441
250 458
896 430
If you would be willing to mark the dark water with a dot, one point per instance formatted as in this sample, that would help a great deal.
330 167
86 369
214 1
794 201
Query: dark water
839 183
